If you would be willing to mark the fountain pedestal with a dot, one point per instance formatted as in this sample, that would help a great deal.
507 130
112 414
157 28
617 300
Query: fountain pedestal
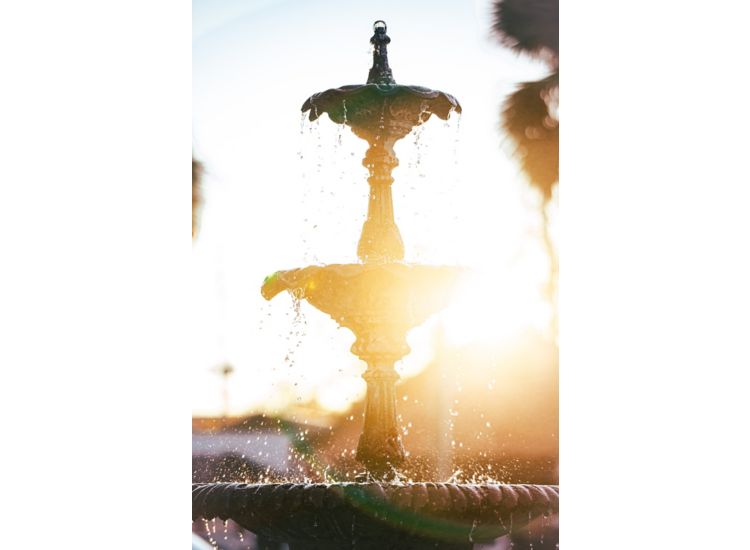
380 448
379 303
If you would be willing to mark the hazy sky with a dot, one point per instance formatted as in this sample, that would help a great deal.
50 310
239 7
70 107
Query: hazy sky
280 194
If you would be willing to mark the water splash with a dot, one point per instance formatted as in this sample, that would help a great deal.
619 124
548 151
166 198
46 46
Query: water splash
209 536
297 331
419 145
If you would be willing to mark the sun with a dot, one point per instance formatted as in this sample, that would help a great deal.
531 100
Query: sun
495 305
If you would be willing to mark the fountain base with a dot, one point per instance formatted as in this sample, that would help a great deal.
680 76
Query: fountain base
373 516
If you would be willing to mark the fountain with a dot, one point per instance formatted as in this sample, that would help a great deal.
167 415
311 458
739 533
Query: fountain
379 299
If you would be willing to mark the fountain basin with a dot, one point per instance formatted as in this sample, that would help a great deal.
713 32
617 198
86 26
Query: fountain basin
376 515
370 108
395 295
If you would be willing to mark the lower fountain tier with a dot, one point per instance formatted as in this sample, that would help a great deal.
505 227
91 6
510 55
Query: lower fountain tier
376 515
379 302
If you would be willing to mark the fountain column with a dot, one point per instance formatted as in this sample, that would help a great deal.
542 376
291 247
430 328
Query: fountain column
381 340
380 344
380 240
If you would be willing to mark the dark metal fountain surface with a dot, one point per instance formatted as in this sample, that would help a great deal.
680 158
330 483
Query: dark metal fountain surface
382 516
379 299
381 112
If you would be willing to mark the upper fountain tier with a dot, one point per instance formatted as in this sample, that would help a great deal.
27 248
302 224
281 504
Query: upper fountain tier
381 112
381 108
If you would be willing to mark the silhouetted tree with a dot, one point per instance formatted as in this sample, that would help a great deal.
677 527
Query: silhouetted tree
534 129
529 26
530 114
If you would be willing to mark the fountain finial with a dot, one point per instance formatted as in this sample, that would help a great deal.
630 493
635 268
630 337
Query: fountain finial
380 73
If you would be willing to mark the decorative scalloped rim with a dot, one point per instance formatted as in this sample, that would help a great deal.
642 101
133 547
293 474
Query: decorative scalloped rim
297 278
458 506
460 497
351 90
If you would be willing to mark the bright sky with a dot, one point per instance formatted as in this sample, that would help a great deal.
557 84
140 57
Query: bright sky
279 194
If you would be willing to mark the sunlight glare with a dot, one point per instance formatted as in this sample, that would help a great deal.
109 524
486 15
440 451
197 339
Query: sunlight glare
494 306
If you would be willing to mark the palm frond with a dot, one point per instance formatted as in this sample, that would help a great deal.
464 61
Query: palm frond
528 26
534 128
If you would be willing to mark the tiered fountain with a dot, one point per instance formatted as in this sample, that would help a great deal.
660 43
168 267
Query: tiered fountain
379 299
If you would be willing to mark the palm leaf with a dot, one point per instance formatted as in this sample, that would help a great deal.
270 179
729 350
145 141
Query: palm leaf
533 127
528 26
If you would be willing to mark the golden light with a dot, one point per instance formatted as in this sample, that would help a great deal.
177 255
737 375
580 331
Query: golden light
338 396
495 305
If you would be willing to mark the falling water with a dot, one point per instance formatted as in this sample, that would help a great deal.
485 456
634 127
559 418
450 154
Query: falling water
510 530
298 329
544 528
209 535
341 127
531 543
302 126
333 179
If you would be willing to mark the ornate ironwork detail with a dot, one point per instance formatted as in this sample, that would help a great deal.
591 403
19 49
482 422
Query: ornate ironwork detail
380 73
377 515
